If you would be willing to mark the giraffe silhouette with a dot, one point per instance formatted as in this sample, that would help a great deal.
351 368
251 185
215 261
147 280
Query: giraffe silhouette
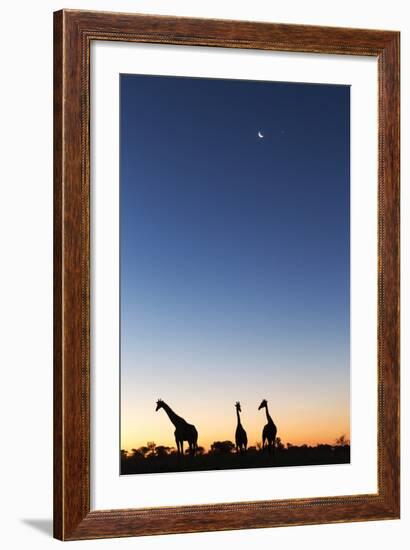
269 430
241 439
183 430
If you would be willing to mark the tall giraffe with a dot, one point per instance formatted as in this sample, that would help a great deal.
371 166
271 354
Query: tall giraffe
183 430
241 439
269 430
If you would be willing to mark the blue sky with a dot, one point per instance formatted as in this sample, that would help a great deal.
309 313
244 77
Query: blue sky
234 256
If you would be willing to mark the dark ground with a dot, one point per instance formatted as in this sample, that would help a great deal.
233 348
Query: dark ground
158 459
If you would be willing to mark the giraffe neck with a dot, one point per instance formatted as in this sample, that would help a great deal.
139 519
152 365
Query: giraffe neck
268 416
238 416
175 419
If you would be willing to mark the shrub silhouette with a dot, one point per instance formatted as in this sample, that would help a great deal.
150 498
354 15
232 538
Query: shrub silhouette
153 458
137 454
162 451
278 444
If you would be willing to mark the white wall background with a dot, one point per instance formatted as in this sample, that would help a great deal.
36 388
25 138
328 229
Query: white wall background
26 269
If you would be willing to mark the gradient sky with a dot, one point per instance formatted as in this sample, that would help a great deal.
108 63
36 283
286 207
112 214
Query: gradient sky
234 257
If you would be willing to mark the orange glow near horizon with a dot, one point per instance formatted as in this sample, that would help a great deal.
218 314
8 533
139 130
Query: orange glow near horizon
322 421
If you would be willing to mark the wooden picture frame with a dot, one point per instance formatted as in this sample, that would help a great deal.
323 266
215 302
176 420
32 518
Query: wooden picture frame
73 33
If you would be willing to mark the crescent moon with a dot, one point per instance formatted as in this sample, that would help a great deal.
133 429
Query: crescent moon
260 134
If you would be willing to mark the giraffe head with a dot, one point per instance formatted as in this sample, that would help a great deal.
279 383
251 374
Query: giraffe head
160 404
238 406
262 405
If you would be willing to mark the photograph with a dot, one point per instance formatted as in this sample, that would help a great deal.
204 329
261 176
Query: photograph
234 274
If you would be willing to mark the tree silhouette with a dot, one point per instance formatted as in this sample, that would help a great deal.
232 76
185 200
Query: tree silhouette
142 451
151 448
161 451
342 441
137 454
222 447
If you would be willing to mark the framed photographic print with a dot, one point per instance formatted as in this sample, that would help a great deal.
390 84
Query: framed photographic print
226 275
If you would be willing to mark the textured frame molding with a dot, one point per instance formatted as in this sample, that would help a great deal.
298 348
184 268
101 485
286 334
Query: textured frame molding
73 33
